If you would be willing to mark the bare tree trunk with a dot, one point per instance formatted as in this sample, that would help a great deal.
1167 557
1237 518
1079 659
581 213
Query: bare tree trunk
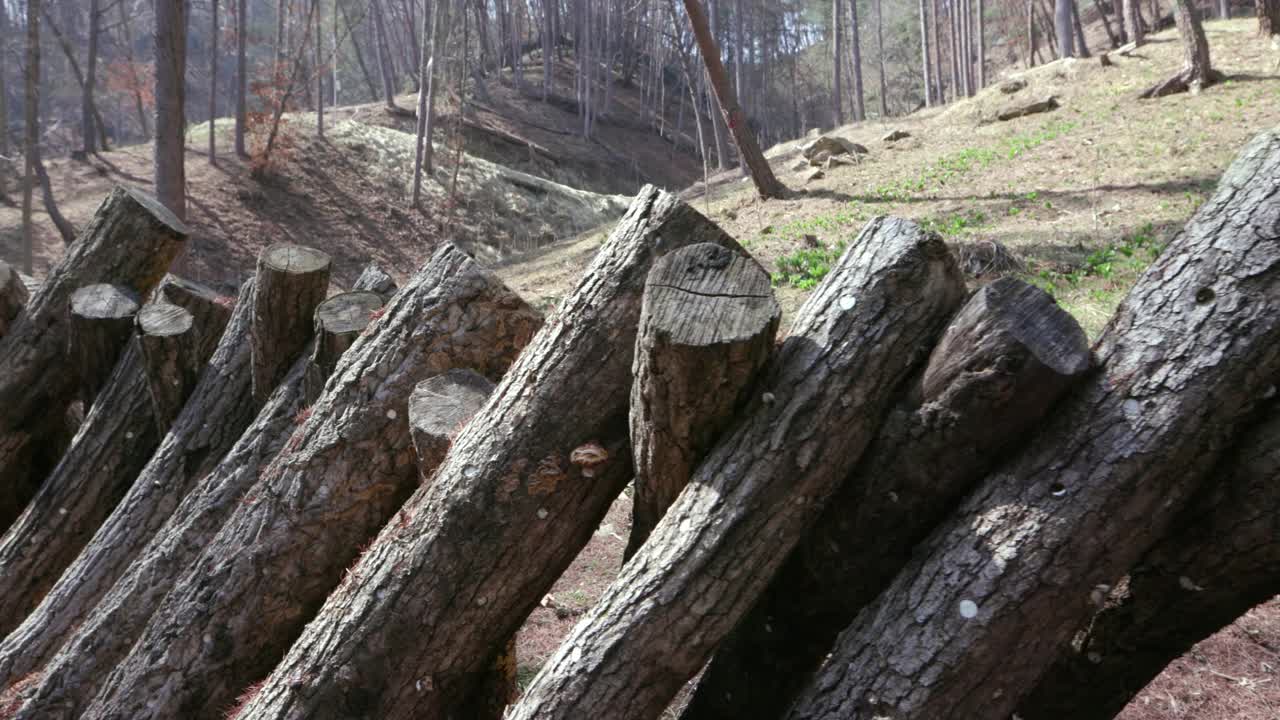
383 49
1106 23
980 610
170 96
242 75
355 46
715 109
939 93
318 63
1063 28
31 150
439 49
982 45
924 51
100 322
426 71
1197 73
4 99
88 128
1082 48
66 230
1268 17
837 65
1133 22
855 48
884 86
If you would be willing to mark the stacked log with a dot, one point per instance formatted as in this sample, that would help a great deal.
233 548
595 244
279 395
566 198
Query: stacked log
101 323
13 297
339 321
291 281
130 242
211 311
170 344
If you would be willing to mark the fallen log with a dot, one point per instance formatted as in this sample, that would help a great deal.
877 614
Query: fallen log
1005 359
344 472
130 242
504 515
13 297
211 312
1031 108
292 281
170 346
102 318
862 332
971 624
707 328
338 322
1219 560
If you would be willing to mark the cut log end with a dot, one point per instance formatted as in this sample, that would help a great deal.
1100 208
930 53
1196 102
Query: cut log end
706 295
171 349
439 407
295 259
339 321
102 318
164 320
292 281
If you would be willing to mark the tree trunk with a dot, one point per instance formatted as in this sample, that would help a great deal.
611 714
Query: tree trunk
88 128
766 184
924 51
727 533
981 32
855 49
425 72
884 85
170 343
511 486
711 54
980 611
384 55
1220 560
1268 17
292 281
100 323
242 75
31 156
214 31
1106 24
1133 22
170 97
1082 48
4 101
1063 28
317 63
65 229
342 474
707 327
837 65
13 297
130 241
135 81
1031 34
339 322
1117 9
355 46
936 44
439 45
1003 362
211 312
1196 73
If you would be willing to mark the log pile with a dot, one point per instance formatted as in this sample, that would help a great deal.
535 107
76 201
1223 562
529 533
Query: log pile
920 503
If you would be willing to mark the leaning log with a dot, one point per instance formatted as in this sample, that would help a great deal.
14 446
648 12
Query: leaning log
865 329
13 297
343 474
969 626
1004 360
211 311
504 515
130 242
292 281
707 328
170 344
101 323
1219 560
338 322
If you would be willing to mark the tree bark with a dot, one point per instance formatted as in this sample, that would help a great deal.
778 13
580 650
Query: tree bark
31 156
375 279
291 282
64 227
511 486
89 125
1197 73
4 100
211 311
707 328
214 31
439 44
980 611
924 51
426 70
1133 22
1268 17
384 55
170 96
170 343
242 75
1063 29
342 474
339 322
855 50
981 33
837 65
101 323
1003 362
1106 23
884 85
130 241
1082 48
13 297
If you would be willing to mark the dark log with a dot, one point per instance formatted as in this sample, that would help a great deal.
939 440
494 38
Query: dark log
1005 359
338 322
216 414
13 297
375 279
292 281
210 310
130 242
170 345
343 473
1219 560
707 328
504 515
971 624
1032 108
869 324
101 323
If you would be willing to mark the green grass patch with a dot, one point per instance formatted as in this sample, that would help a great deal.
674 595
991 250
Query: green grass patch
806 268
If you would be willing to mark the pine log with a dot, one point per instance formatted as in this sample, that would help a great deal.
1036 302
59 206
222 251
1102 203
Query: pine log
170 349
869 324
338 322
1002 363
216 414
969 626
101 323
342 475
374 279
504 515
292 281
13 297
210 310
1219 559
130 242
707 328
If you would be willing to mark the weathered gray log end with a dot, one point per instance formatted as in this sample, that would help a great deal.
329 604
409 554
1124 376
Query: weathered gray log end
13 296
211 311
102 318
706 329
338 322
1005 359
171 347
438 408
292 281
374 279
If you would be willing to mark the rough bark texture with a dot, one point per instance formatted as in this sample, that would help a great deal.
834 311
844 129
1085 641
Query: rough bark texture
874 317
291 282
169 148
375 279
1268 12
968 627
707 328
1221 560
130 241
439 408
1197 73
102 318
13 297
170 343
342 474
211 311
216 414
1005 359
432 602
338 323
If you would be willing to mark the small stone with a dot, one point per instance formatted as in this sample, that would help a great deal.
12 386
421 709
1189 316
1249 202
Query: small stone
1012 85
811 241
968 609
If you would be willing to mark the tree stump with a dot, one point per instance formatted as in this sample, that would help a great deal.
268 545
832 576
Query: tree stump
102 318
342 475
210 311
13 297
707 328
374 279
980 611
1005 359
130 242
292 281
338 322
171 349
506 512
